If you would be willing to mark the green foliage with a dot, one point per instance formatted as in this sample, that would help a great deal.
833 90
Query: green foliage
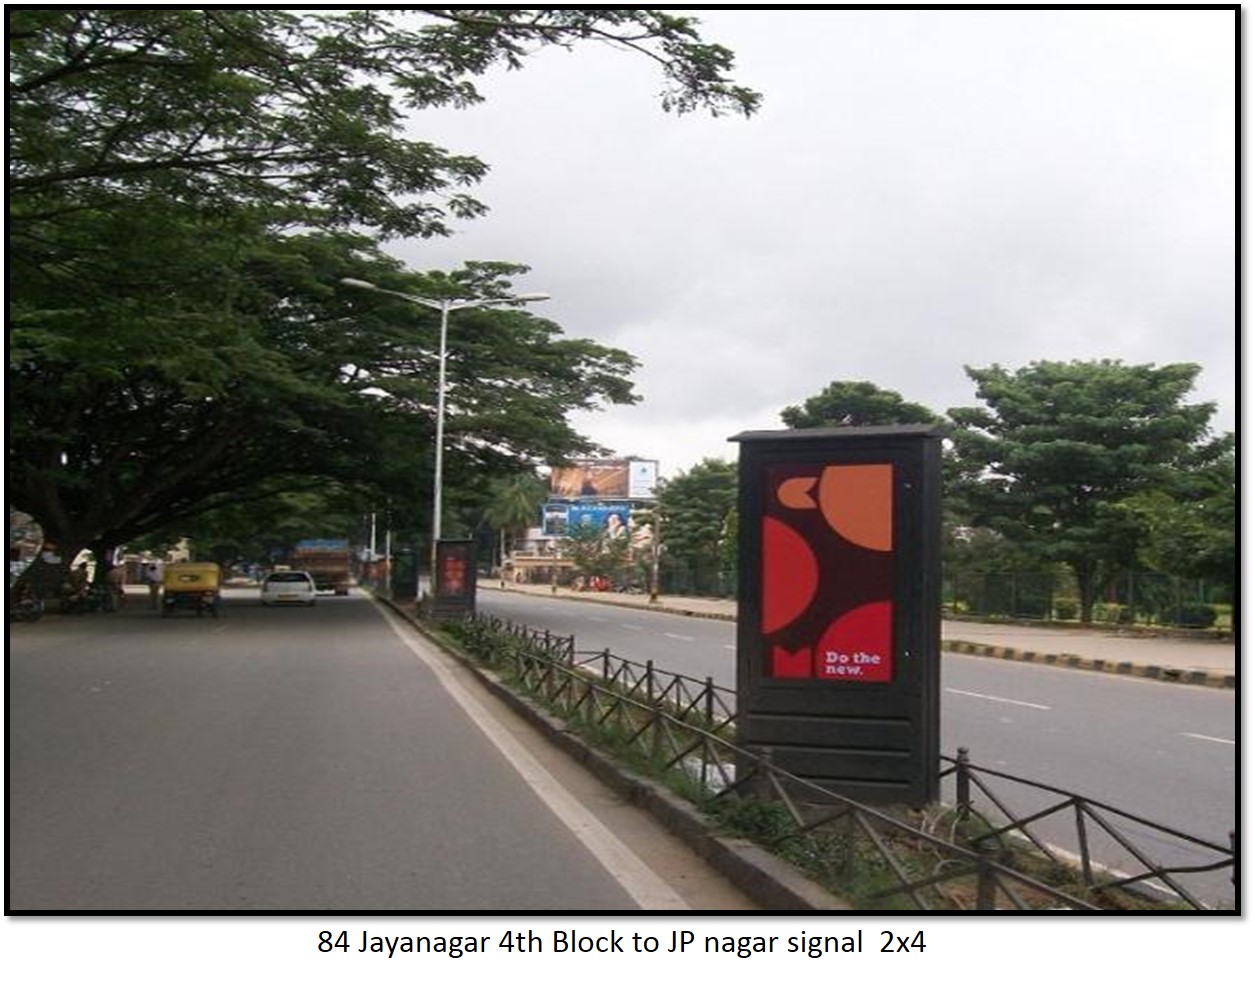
1196 615
1058 449
595 553
186 189
698 521
297 111
1066 609
1190 522
986 573
514 505
856 403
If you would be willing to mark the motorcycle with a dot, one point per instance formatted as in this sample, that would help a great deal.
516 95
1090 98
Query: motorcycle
89 598
25 606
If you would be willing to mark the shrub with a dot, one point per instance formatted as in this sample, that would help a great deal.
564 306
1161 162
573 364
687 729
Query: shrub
1066 609
1195 615
1112 613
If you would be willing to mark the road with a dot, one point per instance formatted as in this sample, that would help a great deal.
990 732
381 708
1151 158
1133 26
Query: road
1161 751
299 759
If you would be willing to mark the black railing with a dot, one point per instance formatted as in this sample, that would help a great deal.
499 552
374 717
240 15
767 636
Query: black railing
682 729
1126 864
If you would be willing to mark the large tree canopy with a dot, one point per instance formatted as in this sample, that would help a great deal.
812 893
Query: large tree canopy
142 416
855 403
187 187
1059 448
300 110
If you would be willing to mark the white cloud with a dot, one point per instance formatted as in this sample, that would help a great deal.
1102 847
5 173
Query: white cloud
922 189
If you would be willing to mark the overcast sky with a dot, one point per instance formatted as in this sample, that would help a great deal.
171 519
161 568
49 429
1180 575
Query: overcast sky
921 190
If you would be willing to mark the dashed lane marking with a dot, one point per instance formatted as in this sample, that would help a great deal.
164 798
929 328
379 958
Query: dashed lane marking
995 698
1209 739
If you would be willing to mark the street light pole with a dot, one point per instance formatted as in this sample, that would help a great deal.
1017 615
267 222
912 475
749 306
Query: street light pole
437 506
445 306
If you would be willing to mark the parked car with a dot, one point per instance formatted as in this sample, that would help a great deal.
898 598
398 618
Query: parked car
288 588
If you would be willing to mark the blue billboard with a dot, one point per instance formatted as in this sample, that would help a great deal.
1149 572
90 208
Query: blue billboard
609 518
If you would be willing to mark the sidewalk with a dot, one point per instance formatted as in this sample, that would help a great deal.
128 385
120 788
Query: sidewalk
1183 660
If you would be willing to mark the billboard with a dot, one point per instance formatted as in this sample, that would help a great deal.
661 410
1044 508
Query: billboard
555 519
560 518
607 479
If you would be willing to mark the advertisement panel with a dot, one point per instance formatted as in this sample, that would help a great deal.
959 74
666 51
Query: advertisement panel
827 571
607 479
642 479
555 519
455 579
611 519
560 518
838 633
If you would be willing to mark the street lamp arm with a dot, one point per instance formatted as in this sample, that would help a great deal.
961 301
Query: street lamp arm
445 306
361 284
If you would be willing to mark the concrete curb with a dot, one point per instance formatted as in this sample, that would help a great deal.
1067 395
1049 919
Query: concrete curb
1151 672
766 879
659 607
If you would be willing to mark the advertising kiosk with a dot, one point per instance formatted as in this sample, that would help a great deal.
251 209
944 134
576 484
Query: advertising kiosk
838 637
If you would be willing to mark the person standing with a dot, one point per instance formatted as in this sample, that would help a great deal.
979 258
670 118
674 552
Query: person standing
152 576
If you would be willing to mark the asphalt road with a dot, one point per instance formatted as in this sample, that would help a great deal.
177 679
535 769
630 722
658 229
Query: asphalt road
283 759
1160 751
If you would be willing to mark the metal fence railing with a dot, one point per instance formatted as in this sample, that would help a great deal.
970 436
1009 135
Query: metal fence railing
1124 862
682 729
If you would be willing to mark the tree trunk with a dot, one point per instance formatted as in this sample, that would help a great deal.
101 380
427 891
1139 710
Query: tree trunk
1086 584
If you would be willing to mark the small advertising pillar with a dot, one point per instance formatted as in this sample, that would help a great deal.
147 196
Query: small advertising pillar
455 579
838 638
403 582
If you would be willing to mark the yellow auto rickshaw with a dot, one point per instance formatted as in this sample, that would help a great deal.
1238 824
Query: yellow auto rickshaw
194 586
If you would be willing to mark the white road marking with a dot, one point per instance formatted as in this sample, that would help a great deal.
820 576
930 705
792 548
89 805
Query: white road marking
644 885
679 637
631 626
1209 739
994 698
729 647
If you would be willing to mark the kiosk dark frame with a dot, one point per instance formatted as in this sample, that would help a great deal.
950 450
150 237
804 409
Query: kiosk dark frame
838 635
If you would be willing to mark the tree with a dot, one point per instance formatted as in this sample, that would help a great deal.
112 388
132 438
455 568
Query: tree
187 186
1059 448
594 553
296 111
855 403
515 505
1190 524
697 508
258 532
123 430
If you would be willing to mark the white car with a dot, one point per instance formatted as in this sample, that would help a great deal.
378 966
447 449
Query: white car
288 589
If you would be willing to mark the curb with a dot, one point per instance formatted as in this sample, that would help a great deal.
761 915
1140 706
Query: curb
766 879
1151 672
647 607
